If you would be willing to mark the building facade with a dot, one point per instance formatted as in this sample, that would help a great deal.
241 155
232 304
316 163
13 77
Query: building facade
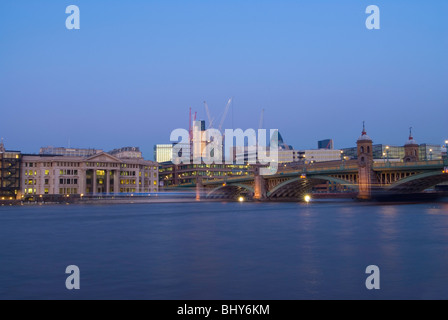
98 174
426 152
68 152
186 174
325 144
127 153
163 153
9 173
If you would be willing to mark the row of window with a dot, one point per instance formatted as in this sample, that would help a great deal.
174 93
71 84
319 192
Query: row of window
68 181
133 174
50 164
68 191
67 172
75 173
130 190
127 182
47 172
89 164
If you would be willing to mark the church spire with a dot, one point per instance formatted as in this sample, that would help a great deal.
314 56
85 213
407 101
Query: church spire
410 134
364 133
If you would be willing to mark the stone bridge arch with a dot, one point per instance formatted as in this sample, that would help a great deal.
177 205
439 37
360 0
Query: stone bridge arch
298 187
418 182
230 191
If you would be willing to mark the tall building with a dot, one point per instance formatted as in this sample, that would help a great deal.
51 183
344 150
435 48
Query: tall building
199 143
325 144
163 153
9 173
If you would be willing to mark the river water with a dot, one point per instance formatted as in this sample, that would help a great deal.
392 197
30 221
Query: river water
225 251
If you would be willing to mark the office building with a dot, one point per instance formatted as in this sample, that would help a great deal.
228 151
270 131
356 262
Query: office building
163 153
98 174
325 144
9 173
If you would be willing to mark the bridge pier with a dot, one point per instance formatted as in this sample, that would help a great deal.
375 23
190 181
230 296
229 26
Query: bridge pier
199 188
260 186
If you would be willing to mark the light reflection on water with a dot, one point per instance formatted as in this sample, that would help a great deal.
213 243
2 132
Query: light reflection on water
225 251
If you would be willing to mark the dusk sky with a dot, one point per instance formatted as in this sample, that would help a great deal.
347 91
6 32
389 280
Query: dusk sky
130 74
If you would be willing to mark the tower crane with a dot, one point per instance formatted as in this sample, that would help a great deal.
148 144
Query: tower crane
226 110
207 110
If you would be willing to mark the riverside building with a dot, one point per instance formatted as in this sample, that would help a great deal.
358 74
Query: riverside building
96 173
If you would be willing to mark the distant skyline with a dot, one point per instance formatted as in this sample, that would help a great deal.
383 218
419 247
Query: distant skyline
130 74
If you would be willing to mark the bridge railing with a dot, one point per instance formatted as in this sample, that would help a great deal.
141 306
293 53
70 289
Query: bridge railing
410 165
321 169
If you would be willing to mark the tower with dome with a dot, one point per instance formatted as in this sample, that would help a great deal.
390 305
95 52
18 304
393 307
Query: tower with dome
411 149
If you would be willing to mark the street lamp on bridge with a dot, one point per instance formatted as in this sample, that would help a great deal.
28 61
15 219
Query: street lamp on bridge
446 148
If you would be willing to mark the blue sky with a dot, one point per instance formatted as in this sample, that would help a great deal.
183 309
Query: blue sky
130 74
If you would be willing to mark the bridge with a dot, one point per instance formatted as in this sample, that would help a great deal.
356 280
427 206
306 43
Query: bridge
364 176
295 183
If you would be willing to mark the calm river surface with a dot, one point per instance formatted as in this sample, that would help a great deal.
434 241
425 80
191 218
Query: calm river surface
225 251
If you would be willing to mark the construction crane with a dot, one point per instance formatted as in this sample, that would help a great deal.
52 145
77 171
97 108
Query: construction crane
226 110
210 120
260 125
190 131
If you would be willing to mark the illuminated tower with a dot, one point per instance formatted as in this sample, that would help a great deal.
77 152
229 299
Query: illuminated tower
411 149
